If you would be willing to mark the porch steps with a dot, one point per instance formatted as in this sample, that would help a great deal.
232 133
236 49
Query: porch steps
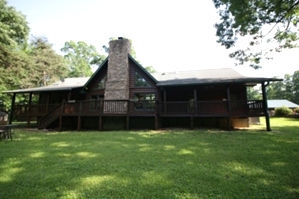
48 119
48 122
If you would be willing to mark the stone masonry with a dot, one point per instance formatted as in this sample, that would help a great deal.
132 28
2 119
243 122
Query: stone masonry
117 85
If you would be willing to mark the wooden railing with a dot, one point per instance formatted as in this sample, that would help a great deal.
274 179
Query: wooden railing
118 107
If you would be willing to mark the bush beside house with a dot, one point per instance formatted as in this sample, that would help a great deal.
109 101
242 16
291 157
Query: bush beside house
282 111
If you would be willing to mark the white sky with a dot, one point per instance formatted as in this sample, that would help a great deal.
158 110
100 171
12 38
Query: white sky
168 35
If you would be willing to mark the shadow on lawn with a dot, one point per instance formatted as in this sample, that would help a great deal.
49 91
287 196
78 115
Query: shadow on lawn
171 164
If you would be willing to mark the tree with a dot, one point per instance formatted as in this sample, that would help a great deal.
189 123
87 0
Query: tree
14 32
257 19
47 65
295 80
80 58
253 94
277 90
14 28
150 69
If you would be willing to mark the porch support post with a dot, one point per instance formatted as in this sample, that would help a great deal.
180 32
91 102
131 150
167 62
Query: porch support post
47 103
128 123
157 114
79 117
164 100
79 123
60 117
229 107
156 122
265 106
29 109
195 100
69 96
100 123
60 123
191 122
11 108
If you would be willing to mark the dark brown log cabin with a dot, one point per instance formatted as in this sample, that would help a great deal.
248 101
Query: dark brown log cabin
121 94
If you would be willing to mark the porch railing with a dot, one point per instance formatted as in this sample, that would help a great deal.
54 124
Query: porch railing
108 107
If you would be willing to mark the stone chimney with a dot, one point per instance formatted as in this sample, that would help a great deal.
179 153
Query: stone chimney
117 85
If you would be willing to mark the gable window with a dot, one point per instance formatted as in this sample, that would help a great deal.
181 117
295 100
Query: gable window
144 101
140 81
102 83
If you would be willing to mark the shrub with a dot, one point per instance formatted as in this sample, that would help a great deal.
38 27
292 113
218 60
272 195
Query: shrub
297 110
282 111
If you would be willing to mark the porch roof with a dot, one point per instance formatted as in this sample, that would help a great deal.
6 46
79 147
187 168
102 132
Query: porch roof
210 76
62 85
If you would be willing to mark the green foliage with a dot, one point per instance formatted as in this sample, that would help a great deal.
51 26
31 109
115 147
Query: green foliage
150 69
151 164
248 18
14 28
80 58
286 89
282 111
14 31
48 66
253 94
296 110
295 86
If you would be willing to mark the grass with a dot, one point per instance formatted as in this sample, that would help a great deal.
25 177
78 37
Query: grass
153 164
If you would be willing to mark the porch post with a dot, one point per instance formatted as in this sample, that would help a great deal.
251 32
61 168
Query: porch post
48 100
164 100
69 96
12 107
60 117
29 109
79 117
60 123
265 106
157 114
128 123
229 107
195 100
100 123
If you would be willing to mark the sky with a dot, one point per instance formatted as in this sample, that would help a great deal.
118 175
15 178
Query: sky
170 35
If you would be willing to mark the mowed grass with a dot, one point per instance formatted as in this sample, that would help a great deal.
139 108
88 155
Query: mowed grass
153 164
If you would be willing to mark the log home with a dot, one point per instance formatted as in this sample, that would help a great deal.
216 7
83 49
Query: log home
121 94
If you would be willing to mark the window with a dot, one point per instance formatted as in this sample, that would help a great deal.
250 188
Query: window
144 101
102 83
140 81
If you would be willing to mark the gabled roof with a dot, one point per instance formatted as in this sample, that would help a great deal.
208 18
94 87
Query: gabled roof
194 77
223 75
281 102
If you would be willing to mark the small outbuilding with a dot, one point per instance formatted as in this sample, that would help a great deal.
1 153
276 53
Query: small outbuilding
276 103
3 117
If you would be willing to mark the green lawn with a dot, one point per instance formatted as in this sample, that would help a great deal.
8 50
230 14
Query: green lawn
153 164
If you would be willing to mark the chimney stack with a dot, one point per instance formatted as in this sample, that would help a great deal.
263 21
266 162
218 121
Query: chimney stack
117 85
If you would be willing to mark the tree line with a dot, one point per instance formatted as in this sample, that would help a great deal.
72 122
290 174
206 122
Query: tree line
287 89
30 61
